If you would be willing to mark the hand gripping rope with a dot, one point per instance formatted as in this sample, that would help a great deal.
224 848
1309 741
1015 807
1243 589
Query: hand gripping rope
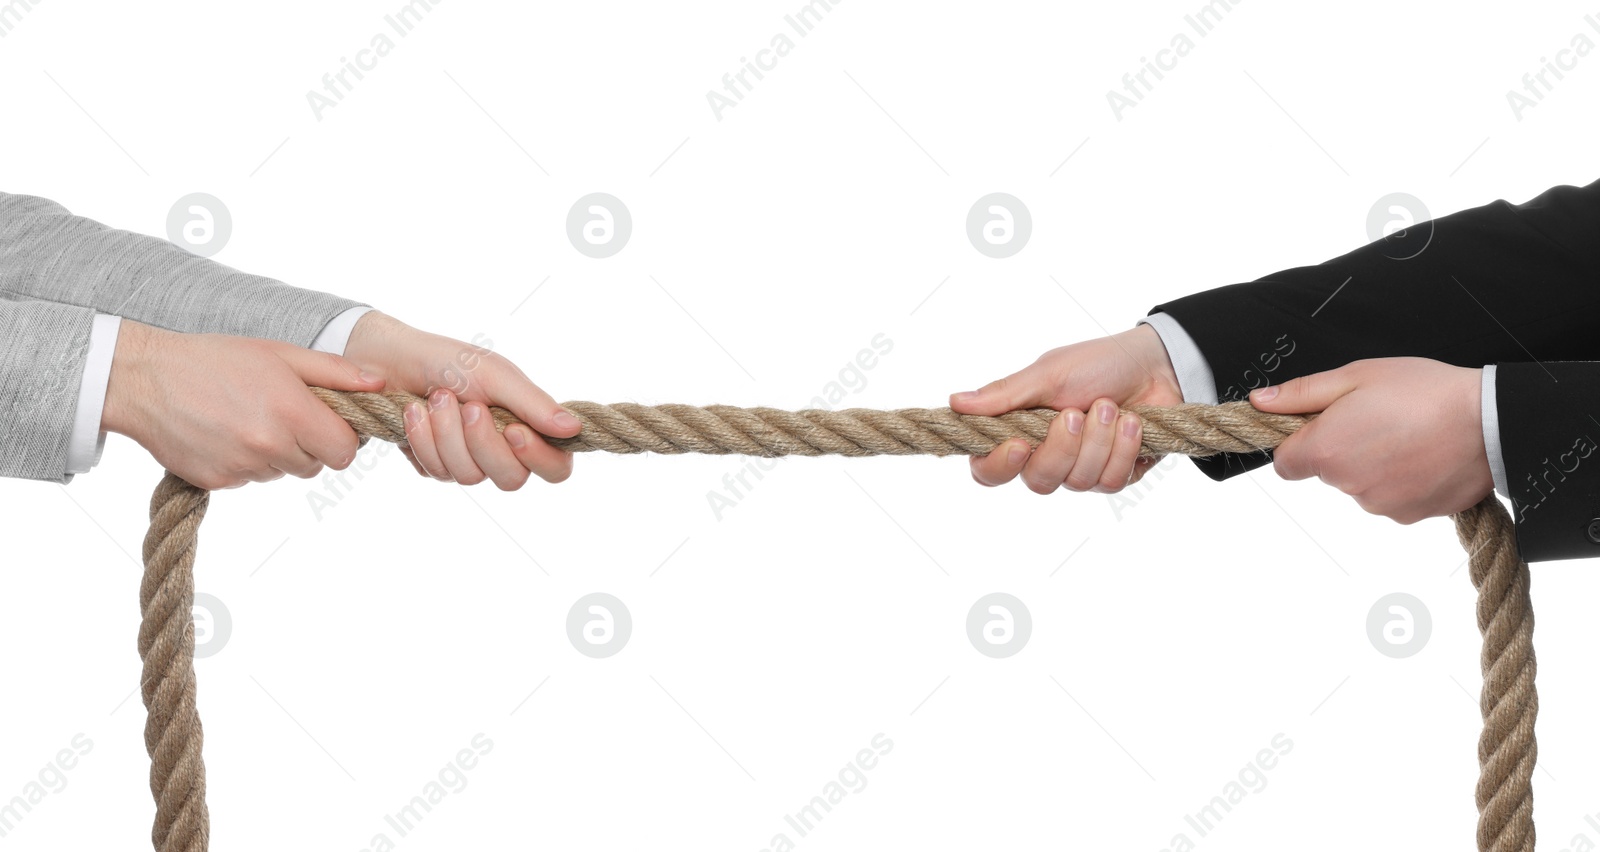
1507 749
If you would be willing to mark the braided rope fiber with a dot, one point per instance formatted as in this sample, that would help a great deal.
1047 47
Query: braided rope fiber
1507 750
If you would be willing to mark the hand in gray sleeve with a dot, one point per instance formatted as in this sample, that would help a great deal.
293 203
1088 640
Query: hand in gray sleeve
1195 380
43 347
49 254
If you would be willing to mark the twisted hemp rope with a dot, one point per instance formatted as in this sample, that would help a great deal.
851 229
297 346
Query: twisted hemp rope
1507 750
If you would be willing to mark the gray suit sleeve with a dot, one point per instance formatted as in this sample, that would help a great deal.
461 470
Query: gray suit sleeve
42 350
47 253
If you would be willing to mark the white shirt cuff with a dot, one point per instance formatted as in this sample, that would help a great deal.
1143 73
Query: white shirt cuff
1194 373
88 441
1491 434
336 334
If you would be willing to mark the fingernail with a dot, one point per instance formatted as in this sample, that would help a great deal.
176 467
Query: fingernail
515 438
1108 412
1074 422
1015 455
438 399
1130 426
564 420
413 414
966 395
368 377
1266 393
470 412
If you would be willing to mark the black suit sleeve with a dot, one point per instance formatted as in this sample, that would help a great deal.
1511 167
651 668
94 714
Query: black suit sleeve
1498 283
1549 415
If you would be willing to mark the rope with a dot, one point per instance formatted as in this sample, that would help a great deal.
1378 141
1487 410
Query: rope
1507 751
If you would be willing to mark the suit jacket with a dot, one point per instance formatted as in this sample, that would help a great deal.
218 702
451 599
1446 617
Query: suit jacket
1516 285
58 270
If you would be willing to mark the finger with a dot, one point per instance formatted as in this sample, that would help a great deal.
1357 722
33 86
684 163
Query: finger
326 370
419 434
298 463
270 474
445 414
489 450
1118 473
513 391
1029 387
1295 458
551 464
1054 458
1306 394
1099 430
325 436
1002 464
1142 466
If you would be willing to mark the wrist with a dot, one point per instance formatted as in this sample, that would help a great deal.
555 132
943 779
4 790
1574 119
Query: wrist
369 336
128 384
1148 348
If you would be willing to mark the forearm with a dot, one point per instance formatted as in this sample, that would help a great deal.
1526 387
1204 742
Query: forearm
1549 429
43 349
47 253
1492 283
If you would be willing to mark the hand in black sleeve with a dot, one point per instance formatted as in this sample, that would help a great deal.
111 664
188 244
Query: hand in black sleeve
1500 282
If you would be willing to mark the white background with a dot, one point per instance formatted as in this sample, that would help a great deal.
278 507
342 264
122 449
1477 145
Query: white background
1174 634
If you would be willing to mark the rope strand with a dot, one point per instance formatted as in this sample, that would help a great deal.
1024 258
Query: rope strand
1507 750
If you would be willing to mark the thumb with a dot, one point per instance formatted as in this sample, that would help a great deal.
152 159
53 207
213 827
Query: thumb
533 406
1029 387
1305 394
323 369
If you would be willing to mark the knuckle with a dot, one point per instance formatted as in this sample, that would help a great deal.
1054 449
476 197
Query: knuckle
1080 482
1322 458
1056 434
341 460
997 385
1038 486
258 441
976 467
512 482
555 473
